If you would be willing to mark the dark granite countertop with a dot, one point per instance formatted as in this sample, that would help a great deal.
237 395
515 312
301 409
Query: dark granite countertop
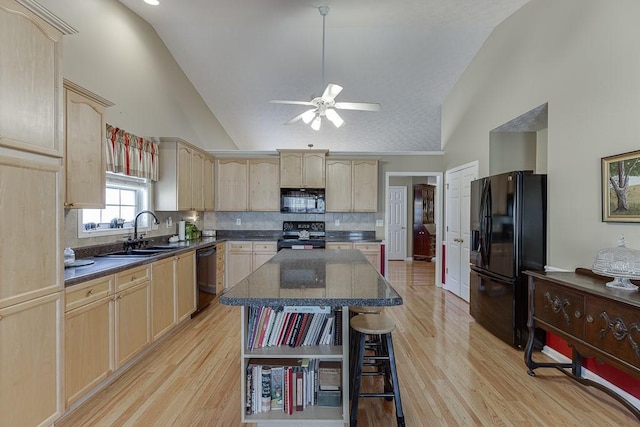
319 277
103 266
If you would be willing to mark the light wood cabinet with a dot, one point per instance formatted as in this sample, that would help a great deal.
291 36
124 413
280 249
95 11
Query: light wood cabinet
371 251
185 285
132 313
221 260
239 261
302 169
183 178
197 180
31 83
365 185
163 315
207 185
352 185
262 252
89 336
248 185
85 164
31 190
339 188
264 185
231 185
31 342
30 201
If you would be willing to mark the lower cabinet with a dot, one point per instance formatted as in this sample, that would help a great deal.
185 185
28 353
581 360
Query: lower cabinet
108 322
239 261
221 260
185 285
132 313
89 342
30 366
245 257
163 315
371 250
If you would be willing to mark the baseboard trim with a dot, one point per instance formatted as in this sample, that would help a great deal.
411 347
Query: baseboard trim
557 356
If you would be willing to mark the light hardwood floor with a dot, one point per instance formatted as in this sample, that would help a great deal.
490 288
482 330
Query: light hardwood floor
452 373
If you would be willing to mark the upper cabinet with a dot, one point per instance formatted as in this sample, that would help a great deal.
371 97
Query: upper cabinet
264 185
248 185
231 185
84 147
31 100
185 183
352 185
302 169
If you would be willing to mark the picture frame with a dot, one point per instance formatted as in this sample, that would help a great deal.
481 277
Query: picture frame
621 187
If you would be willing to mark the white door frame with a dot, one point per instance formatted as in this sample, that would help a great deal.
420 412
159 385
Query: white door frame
437 217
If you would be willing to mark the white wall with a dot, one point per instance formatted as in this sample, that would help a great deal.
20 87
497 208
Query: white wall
120 57
580 56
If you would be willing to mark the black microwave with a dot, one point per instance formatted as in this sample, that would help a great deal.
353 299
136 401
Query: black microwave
302 200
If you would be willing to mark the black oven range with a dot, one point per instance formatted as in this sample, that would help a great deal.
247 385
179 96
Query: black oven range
302 235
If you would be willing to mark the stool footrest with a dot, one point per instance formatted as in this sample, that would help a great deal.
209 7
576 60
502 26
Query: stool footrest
376 394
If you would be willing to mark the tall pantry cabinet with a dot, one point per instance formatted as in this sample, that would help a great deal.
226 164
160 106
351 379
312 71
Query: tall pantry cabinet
31 184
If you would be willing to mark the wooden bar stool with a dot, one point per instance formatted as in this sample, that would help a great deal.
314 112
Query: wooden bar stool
380 326
354 311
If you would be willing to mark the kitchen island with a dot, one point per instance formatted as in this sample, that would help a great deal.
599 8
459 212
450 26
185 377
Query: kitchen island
306 280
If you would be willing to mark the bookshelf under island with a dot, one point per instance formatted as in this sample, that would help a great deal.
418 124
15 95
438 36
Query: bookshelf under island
295 322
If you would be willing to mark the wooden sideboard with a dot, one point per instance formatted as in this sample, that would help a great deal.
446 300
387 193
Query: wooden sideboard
596 321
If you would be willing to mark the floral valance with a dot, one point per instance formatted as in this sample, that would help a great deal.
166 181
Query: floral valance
131 155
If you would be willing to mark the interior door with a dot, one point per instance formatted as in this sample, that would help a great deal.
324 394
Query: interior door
458 235
397 226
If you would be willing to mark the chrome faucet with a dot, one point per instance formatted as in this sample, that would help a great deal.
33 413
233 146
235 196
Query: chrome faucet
137 240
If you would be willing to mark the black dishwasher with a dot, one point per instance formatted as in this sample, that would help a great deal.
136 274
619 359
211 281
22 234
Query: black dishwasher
205 276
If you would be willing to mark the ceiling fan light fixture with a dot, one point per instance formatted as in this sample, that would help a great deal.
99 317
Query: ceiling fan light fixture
308 115
315 124
334 117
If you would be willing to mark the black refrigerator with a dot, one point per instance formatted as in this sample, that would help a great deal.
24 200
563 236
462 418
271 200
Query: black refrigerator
508 236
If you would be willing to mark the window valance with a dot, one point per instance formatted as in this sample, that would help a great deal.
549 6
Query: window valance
131 155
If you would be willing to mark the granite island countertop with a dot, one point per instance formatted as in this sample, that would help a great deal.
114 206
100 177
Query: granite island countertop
314 277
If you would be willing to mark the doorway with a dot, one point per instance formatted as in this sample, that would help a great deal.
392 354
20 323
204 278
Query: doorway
458 228
432 176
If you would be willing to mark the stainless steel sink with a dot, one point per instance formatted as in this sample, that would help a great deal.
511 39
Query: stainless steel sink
139 253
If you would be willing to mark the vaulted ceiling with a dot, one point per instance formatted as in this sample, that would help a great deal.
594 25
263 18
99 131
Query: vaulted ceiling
404 54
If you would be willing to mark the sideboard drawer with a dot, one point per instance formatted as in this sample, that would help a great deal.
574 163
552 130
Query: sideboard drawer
613 328
560 308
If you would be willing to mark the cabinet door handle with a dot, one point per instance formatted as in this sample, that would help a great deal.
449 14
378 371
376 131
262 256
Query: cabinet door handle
589 318
90 292
578 314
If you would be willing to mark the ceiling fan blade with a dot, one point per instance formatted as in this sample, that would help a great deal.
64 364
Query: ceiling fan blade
306 117
331 92
363 106
278 101
334 117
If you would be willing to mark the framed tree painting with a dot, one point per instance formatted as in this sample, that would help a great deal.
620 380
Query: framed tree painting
621 187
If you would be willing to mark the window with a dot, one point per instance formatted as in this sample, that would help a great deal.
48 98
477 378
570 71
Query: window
125 196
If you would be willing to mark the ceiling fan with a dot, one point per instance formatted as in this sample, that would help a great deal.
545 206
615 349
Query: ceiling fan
325 105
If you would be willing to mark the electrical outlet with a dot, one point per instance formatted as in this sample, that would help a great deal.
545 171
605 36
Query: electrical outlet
379 223
238 221
336 223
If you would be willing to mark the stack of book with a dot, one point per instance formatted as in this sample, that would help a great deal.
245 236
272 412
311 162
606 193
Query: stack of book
329 383
288 385
293 326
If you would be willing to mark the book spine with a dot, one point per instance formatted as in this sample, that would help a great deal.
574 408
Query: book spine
337 336
302 330
299 390
296 330
266 389
248 393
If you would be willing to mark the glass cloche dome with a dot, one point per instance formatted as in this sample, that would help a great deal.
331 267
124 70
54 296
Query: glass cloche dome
621 263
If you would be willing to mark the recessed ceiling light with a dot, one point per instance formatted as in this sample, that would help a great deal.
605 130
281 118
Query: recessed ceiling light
152 2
